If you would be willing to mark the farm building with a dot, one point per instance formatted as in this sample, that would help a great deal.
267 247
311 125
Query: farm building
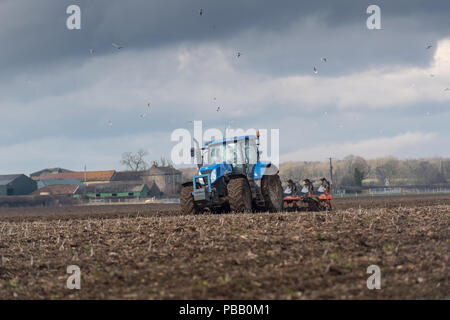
86 177
44 183
168 179
37 174
129 176
16 185
119 189
57 190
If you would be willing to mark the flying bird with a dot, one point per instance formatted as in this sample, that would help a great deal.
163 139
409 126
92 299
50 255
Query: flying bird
201 12
91 51
315 70
110 123
429 46
218 109
432 75
118 47
238 54
447 89
142 116
324 59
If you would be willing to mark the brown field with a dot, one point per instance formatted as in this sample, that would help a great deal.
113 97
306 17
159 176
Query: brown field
156 252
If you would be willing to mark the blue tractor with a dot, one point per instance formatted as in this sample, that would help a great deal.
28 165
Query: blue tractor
233 180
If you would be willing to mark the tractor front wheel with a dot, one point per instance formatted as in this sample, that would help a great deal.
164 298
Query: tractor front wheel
272 192
187 200
239 195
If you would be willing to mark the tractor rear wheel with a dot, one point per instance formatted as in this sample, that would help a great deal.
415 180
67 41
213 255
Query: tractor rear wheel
187 200
272 192
239 195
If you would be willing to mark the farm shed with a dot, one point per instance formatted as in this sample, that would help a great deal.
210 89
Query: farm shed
57 190
86 177
16 185
117 189
44 183
37 174
168 179
129 176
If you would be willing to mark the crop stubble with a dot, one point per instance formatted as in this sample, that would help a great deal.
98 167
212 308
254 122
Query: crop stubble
155 252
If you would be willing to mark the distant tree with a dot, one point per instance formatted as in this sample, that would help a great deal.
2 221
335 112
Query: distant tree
347 181
357 167
358 176
296 173
446 169
135 161
427 174
165 162
387 170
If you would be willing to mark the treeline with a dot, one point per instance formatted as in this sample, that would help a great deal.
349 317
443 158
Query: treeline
354 171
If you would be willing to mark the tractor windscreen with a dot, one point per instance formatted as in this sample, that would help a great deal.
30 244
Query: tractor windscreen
233 152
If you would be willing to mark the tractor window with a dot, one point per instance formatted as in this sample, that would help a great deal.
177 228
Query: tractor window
232 152
252 152
215 154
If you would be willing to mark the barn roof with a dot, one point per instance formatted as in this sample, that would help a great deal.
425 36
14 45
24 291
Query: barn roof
47 171
158 171
57 189
89 175
44 183
128 176
113 187
8 178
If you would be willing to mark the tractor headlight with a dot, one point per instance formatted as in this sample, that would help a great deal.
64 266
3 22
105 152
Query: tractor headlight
213 176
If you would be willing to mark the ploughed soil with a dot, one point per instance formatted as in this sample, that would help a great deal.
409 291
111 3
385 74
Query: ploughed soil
156 252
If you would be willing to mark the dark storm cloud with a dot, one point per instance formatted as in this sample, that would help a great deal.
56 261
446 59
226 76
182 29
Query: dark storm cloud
54 94
34 33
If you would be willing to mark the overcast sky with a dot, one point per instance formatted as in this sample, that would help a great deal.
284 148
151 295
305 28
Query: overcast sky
380 93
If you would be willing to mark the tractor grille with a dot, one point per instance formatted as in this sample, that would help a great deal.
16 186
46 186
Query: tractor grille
205 171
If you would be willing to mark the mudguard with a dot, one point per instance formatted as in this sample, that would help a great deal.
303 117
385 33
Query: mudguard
263 168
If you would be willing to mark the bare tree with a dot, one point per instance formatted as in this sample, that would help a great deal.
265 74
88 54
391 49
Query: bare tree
386 171
427 174
135 161
356 167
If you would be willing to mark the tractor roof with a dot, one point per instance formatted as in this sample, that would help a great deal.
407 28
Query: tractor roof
226 140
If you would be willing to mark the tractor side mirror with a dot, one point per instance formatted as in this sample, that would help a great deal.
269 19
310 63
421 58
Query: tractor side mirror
192 152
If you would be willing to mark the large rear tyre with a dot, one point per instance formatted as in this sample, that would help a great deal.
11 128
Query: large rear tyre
272 192
239 195
187 200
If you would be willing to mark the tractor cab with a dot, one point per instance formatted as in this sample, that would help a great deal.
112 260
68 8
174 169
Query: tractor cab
223 158
238 154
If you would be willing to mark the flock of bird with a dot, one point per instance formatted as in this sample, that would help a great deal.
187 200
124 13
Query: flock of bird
238 55
142 115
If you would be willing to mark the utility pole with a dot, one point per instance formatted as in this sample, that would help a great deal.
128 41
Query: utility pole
331 177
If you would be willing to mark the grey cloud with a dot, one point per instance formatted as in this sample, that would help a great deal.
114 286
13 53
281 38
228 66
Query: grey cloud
32 29
52 89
